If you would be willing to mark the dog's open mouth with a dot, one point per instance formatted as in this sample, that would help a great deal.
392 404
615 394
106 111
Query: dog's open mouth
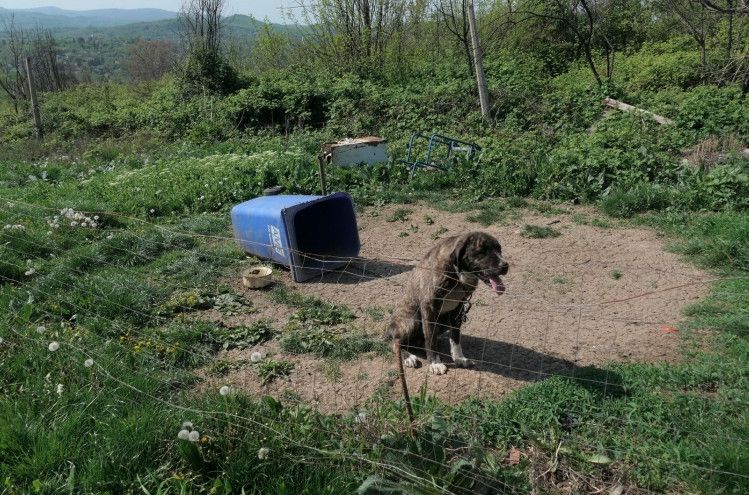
497 285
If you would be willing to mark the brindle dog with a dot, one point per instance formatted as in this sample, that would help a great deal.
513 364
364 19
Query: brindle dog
438 294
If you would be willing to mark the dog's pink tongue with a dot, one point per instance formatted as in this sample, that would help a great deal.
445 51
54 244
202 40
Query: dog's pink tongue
497 286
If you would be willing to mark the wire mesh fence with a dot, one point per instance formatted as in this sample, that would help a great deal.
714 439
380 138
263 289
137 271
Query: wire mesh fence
73 297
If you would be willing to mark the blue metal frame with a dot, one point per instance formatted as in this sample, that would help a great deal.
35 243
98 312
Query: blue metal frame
471 149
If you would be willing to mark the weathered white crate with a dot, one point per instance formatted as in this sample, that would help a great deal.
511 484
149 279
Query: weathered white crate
358 151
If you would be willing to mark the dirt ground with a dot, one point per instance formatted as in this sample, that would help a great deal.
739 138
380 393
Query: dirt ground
590 296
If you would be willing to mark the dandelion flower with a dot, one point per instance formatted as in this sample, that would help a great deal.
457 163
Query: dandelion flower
183 435
53 346
224 390
193 436
59 389
262 454
256 357
88 363
40 329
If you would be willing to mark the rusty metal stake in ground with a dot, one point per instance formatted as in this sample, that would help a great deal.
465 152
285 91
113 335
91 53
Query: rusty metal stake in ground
323 181
406 396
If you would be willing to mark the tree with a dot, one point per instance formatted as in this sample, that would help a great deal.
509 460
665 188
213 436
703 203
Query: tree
358 34
13 79
693 16
49 73
149 60
580 22
735 13
205 67
453 15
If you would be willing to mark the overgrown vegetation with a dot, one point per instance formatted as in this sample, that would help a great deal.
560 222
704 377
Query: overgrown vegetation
113 240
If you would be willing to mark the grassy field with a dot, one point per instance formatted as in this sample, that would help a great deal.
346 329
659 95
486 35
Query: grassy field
105 259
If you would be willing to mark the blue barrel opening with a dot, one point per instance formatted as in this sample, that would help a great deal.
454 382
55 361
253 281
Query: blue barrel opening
308 234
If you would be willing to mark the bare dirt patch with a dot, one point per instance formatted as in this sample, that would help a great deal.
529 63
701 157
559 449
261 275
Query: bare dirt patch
587 297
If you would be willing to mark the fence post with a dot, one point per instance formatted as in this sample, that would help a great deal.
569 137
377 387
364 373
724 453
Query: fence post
34 102
406 395
478 63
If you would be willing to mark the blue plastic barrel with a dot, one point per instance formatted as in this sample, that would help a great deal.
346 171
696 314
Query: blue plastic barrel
309 234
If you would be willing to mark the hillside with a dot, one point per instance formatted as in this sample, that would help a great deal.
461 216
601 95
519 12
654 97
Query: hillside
95 42
56 18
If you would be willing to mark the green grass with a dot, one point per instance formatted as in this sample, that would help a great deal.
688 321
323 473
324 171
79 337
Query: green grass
132 303
538 232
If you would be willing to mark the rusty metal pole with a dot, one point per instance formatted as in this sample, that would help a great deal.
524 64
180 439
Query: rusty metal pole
34 102
406 395
323 181
478 63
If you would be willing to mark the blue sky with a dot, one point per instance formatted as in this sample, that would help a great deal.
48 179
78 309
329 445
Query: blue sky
258 8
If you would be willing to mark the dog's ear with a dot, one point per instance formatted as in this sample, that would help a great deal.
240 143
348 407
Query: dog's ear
463 244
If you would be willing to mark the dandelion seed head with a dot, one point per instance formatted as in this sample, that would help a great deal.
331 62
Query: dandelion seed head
53 346
88 363
59 389
40 329
30 272
262 454
361 417
183 435
224 390
256 357
187 425
193 436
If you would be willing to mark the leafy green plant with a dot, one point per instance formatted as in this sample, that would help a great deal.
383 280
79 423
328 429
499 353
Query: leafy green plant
400 215
247 336
270 369
328 342
231 304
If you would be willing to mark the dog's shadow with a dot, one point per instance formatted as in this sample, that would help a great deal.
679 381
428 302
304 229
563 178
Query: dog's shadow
521 363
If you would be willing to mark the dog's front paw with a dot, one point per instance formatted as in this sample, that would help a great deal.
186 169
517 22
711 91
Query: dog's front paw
437 368
411 362
464 363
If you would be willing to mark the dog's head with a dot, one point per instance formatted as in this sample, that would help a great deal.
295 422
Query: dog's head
478 256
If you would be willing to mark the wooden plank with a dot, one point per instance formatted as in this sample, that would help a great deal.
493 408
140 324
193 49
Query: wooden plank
626 107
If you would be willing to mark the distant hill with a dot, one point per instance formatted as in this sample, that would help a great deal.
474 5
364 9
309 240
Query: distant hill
54 18
96 42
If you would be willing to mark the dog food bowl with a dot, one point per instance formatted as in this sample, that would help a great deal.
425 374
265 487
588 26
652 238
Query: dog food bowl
257 277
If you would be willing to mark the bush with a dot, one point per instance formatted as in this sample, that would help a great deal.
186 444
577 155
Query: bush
623 151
